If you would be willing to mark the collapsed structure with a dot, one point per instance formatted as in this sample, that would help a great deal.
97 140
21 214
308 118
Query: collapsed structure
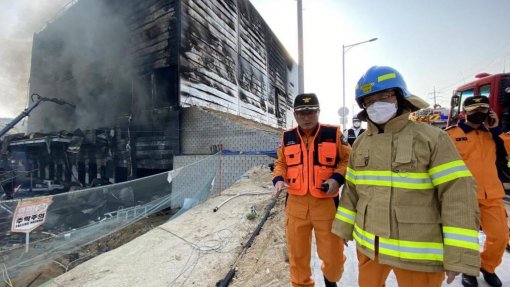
146 77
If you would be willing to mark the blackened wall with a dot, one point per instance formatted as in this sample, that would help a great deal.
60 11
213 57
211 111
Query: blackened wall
231 61
131 65
111 58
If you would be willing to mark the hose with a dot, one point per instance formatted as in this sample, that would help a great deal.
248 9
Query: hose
237 195
226 280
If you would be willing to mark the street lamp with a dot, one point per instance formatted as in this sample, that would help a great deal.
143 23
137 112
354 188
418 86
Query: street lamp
346 48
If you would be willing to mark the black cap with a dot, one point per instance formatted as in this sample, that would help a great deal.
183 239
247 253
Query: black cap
472 103
306 102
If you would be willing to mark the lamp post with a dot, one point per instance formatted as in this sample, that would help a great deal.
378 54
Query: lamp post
346 48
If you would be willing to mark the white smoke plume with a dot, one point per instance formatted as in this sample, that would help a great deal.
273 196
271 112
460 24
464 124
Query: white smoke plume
20 20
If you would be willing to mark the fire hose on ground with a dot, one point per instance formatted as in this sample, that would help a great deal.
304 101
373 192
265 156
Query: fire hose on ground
226 280
237 195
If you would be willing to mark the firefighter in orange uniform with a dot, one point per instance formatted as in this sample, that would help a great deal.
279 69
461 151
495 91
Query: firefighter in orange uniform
506 140
312 157
478 140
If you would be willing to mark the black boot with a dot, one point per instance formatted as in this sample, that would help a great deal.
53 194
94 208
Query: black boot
328 283
469 281
491 278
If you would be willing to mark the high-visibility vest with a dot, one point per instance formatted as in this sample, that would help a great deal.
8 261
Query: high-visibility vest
351 135
308 168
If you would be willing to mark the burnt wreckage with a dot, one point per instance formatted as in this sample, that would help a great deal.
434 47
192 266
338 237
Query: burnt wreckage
133 69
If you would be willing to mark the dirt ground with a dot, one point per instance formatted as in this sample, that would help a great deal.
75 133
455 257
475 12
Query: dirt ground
199 247
115 240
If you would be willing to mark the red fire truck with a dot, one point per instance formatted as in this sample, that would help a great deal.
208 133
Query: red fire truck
496 87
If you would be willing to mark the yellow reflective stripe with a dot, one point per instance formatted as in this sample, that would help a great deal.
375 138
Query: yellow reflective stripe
461 231
345 215
349 178
452 176
363 238
386 77
446 166
462 244
448 171
461 237
348 211
409 180
344 218
403 249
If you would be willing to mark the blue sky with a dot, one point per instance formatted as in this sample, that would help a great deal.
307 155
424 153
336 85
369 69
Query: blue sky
440 44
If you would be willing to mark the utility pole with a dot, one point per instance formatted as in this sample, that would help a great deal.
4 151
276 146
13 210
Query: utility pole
434 96
301 64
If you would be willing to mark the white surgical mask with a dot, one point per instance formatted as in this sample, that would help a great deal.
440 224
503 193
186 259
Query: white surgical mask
356 124
381 112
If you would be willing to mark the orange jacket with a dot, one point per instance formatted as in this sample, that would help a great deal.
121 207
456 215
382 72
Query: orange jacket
478 150
305 161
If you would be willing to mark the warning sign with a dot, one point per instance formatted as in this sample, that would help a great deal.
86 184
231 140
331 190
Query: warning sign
30 214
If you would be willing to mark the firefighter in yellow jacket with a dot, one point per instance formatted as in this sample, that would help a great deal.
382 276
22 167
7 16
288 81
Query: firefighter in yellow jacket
478 141
311 166
409 201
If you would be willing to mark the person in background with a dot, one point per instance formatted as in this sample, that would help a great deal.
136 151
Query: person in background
506 140
353 133
478 141
409 201
311 167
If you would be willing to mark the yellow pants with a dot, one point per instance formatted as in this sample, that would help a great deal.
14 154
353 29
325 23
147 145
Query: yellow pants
374 274
299 244
493 220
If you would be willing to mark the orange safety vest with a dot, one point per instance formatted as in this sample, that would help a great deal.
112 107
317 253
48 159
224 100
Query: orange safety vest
308 168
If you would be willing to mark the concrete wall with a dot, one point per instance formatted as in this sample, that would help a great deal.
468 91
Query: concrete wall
202 129
192 181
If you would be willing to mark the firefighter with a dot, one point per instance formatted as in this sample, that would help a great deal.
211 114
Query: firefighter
478 141
409 201
312 155
353 133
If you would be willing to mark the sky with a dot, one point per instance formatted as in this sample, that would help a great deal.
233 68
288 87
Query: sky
435 44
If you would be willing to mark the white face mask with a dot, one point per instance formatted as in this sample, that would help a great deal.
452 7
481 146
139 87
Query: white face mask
356 124
381 112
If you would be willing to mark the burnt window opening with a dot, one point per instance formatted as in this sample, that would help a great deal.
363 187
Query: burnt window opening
277 93
164 87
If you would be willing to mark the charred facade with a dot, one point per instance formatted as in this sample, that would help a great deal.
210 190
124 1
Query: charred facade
132 68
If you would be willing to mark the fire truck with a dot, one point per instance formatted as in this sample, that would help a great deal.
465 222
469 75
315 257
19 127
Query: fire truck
436 116
497 88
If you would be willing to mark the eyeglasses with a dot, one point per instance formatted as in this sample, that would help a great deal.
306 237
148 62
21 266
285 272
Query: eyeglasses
386 96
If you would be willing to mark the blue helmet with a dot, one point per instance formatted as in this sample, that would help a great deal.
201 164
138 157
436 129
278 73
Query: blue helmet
377 79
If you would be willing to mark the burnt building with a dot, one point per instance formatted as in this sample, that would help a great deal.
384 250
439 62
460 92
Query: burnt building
135 70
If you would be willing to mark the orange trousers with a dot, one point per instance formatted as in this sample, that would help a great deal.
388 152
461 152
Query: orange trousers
299 244
493 220
374 274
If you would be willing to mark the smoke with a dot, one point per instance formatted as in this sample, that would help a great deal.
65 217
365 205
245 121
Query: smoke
85 58
20 20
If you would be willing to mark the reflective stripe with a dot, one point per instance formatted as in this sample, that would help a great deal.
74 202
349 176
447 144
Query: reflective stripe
403 249
461 237
448 172
350 176
386 77
410 180
345 215
363 238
